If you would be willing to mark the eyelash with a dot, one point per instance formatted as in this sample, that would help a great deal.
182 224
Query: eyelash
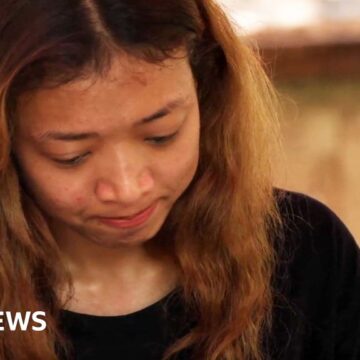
73 161
77 160
161 140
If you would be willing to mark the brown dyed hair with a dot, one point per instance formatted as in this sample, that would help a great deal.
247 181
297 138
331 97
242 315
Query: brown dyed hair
222 226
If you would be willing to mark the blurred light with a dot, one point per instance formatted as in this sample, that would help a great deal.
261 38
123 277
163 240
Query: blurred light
293 14
253 15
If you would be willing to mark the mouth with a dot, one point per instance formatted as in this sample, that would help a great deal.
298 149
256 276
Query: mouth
128 217
129 221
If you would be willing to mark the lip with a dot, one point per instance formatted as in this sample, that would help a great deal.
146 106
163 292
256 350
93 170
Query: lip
131 221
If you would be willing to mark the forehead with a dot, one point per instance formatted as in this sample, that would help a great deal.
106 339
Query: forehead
131 89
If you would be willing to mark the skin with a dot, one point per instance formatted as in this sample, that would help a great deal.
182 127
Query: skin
118 168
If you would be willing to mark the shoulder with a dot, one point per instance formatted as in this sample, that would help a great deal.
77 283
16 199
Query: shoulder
306 211
314 238
318 274
312 223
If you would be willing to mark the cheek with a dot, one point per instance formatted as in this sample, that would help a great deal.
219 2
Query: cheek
52 194
187 161
179 172
60 198
79 200
65 197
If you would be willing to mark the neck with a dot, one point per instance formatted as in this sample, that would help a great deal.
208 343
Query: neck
86 259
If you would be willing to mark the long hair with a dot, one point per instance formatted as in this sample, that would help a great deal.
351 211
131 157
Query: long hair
222 226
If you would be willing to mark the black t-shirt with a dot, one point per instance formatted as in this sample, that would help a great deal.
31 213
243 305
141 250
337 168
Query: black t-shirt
317 303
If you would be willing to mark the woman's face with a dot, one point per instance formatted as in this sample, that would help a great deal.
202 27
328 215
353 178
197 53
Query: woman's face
97 150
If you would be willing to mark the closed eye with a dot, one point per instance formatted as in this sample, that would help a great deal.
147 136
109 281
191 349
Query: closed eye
76 160
160 140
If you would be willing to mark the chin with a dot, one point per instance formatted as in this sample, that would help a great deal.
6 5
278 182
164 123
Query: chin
119 243
124 237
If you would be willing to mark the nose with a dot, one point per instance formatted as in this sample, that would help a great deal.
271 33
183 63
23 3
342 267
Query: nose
124 179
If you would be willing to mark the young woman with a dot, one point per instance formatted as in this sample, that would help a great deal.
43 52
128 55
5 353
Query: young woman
137 208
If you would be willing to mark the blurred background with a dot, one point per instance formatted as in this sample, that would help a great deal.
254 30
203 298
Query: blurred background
311 50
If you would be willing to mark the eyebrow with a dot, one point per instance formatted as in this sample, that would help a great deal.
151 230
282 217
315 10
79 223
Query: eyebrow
72 136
